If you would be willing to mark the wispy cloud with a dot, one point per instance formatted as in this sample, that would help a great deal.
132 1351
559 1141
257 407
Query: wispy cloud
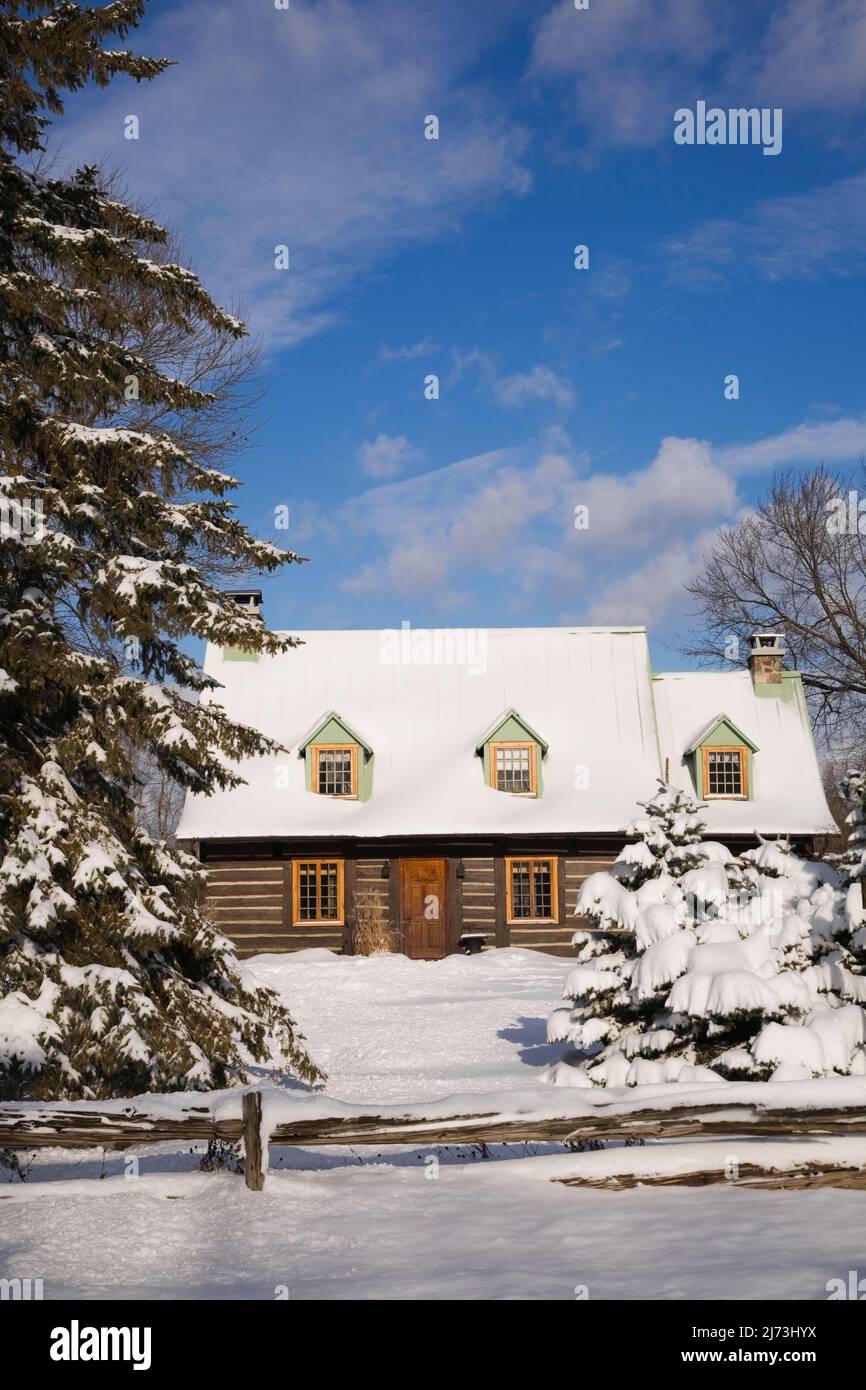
800 237
513 389
508 519
511 513
336 168
409 353
828 441
626 65
539 384
813 56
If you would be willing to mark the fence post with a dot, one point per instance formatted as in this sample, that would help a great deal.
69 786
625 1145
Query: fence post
252 1112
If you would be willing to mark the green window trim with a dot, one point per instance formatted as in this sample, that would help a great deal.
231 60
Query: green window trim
333 732
722 735
512 729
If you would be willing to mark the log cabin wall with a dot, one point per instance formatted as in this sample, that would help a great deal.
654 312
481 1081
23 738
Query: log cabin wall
249 890
476 906
246 899
367 876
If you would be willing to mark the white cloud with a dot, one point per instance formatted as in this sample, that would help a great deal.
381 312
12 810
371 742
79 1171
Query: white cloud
386 455
626 62
814 56
653 593
800 237
539 384
509 516
828 441
505 522
515 389
306 127
410 352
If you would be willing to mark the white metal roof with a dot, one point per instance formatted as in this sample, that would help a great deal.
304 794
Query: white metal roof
587 691
787 794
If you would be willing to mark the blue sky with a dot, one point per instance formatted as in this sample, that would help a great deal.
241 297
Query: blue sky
602 387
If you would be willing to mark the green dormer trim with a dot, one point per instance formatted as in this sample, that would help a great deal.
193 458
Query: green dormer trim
497 733
722 732
333 729
511 727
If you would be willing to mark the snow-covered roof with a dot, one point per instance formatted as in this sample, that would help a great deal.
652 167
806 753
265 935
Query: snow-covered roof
589 691
786 791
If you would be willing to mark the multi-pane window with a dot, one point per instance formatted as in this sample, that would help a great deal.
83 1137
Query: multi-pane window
317 894
531 890
725 772
335 768
513 767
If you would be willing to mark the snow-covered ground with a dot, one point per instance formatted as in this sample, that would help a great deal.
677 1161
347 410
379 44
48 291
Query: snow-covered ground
386 1028
357 1224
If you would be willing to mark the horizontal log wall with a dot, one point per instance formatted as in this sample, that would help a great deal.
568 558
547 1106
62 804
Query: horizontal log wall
477 898
250 900
246 899
249 897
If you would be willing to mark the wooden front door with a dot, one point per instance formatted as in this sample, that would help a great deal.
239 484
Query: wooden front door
422 908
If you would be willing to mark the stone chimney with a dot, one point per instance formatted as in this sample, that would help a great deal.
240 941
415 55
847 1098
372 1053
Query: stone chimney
250 600
765 658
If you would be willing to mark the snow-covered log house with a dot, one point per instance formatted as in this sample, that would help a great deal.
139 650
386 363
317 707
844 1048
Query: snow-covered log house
466 782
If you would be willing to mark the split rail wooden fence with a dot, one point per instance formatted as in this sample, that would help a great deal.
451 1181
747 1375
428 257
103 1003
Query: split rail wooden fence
238 1116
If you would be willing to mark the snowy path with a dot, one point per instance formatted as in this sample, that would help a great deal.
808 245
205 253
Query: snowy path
390 1029
328 1226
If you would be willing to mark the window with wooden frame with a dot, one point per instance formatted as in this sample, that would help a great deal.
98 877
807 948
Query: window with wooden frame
531 890
335 769
317 891
512 768
726 773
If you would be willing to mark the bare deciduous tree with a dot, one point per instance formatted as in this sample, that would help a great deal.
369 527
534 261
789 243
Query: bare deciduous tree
158 800
797 565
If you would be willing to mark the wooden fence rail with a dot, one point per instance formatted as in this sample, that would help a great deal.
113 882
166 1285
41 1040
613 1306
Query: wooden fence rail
238 1116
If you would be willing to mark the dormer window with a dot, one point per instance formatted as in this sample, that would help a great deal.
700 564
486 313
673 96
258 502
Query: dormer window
335 769
337 762
511 753
726 773
512 767
724 760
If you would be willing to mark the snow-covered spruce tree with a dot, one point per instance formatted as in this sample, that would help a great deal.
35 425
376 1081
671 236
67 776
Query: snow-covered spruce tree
691 978
669 838
112 981
852 868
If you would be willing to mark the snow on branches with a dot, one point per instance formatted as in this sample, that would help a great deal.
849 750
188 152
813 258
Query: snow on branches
719 970
112 981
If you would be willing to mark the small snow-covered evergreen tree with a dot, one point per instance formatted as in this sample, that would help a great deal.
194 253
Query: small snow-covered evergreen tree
669 840
694 977
111 979
852 867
